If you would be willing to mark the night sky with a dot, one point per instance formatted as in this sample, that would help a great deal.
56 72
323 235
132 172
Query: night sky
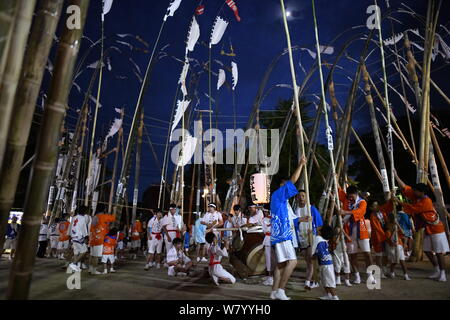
257 39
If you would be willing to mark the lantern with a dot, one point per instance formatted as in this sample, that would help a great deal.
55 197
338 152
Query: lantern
260 188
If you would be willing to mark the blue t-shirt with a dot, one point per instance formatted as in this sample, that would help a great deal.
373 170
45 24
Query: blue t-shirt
405 223
11 233
316 219
323 255
199 231
186 240
281 227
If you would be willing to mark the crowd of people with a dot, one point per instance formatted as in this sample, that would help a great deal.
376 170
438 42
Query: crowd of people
362 227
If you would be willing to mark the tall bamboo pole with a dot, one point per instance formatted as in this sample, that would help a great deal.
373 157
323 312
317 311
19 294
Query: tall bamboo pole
297 112
137 171
36 56
7 16
13 67
376 134
47 151
328 131
440 156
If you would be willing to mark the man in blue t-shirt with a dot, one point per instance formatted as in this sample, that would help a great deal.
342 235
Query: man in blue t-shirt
281 234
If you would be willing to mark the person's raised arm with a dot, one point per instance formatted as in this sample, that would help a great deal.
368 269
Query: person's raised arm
296 175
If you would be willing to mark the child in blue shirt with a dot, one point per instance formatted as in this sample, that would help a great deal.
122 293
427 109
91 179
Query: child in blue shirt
321 251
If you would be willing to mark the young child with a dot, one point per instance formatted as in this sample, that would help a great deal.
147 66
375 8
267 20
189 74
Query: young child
186 241
215 253
120 244
339 254
155 241
394 243
179 264
109 245
199 237
320 250
228 235
404 220
378 220
268 250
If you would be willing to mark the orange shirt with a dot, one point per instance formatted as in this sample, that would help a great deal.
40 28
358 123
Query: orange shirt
63 228
378 235
423 209
390 237
109 244
357 215
137 227
99 228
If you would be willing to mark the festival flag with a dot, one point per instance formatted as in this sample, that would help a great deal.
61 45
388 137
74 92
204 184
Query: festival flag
193 36
107 4
174 5
234 71
222 78
220 25
233 7
200 10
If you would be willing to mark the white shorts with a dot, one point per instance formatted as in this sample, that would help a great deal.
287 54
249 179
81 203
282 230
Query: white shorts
54 242
79 248
155 245
400 254
10 244
120 245
436 243
339 262
284 251
63 245
97 251
108 257
136 244
327 278
217 271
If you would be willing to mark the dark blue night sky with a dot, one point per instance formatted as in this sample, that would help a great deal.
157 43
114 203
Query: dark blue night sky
257 39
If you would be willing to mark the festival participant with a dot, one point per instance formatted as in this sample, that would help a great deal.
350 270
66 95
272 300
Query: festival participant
12 232
212 219
281 234
378 220
64 237
53 235
339 253
179 263
256 216
268 250
155 240
199 238
228 235
404 220
43 238
215 253
435 244
136 234
120 244
353 211
99 228
316 221
171 226
186 240
109 245
396 254
79 233
320 250
239 219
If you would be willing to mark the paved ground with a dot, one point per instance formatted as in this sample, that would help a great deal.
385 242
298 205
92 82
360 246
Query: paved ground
132 282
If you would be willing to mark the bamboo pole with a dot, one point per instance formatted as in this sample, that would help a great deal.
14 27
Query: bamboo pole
376 134
137 167
7 16
298 114
36 56
13 67
440 156
47 151
328 131
116 159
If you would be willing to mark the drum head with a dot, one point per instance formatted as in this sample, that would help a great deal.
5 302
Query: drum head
256 260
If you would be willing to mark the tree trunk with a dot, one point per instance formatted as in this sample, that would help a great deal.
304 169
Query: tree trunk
10 78
7 16
41 39
47 151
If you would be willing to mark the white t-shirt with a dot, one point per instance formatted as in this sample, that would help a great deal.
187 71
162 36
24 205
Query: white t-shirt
174 255
209 218
257 218
239 221
267 228
79 227
155 225
171 222
43 232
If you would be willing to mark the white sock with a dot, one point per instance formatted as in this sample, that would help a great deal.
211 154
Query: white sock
347 281
356 274
307 283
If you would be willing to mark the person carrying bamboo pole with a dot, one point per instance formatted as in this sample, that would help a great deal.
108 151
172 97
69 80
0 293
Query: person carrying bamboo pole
281 234
353 211
435 244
